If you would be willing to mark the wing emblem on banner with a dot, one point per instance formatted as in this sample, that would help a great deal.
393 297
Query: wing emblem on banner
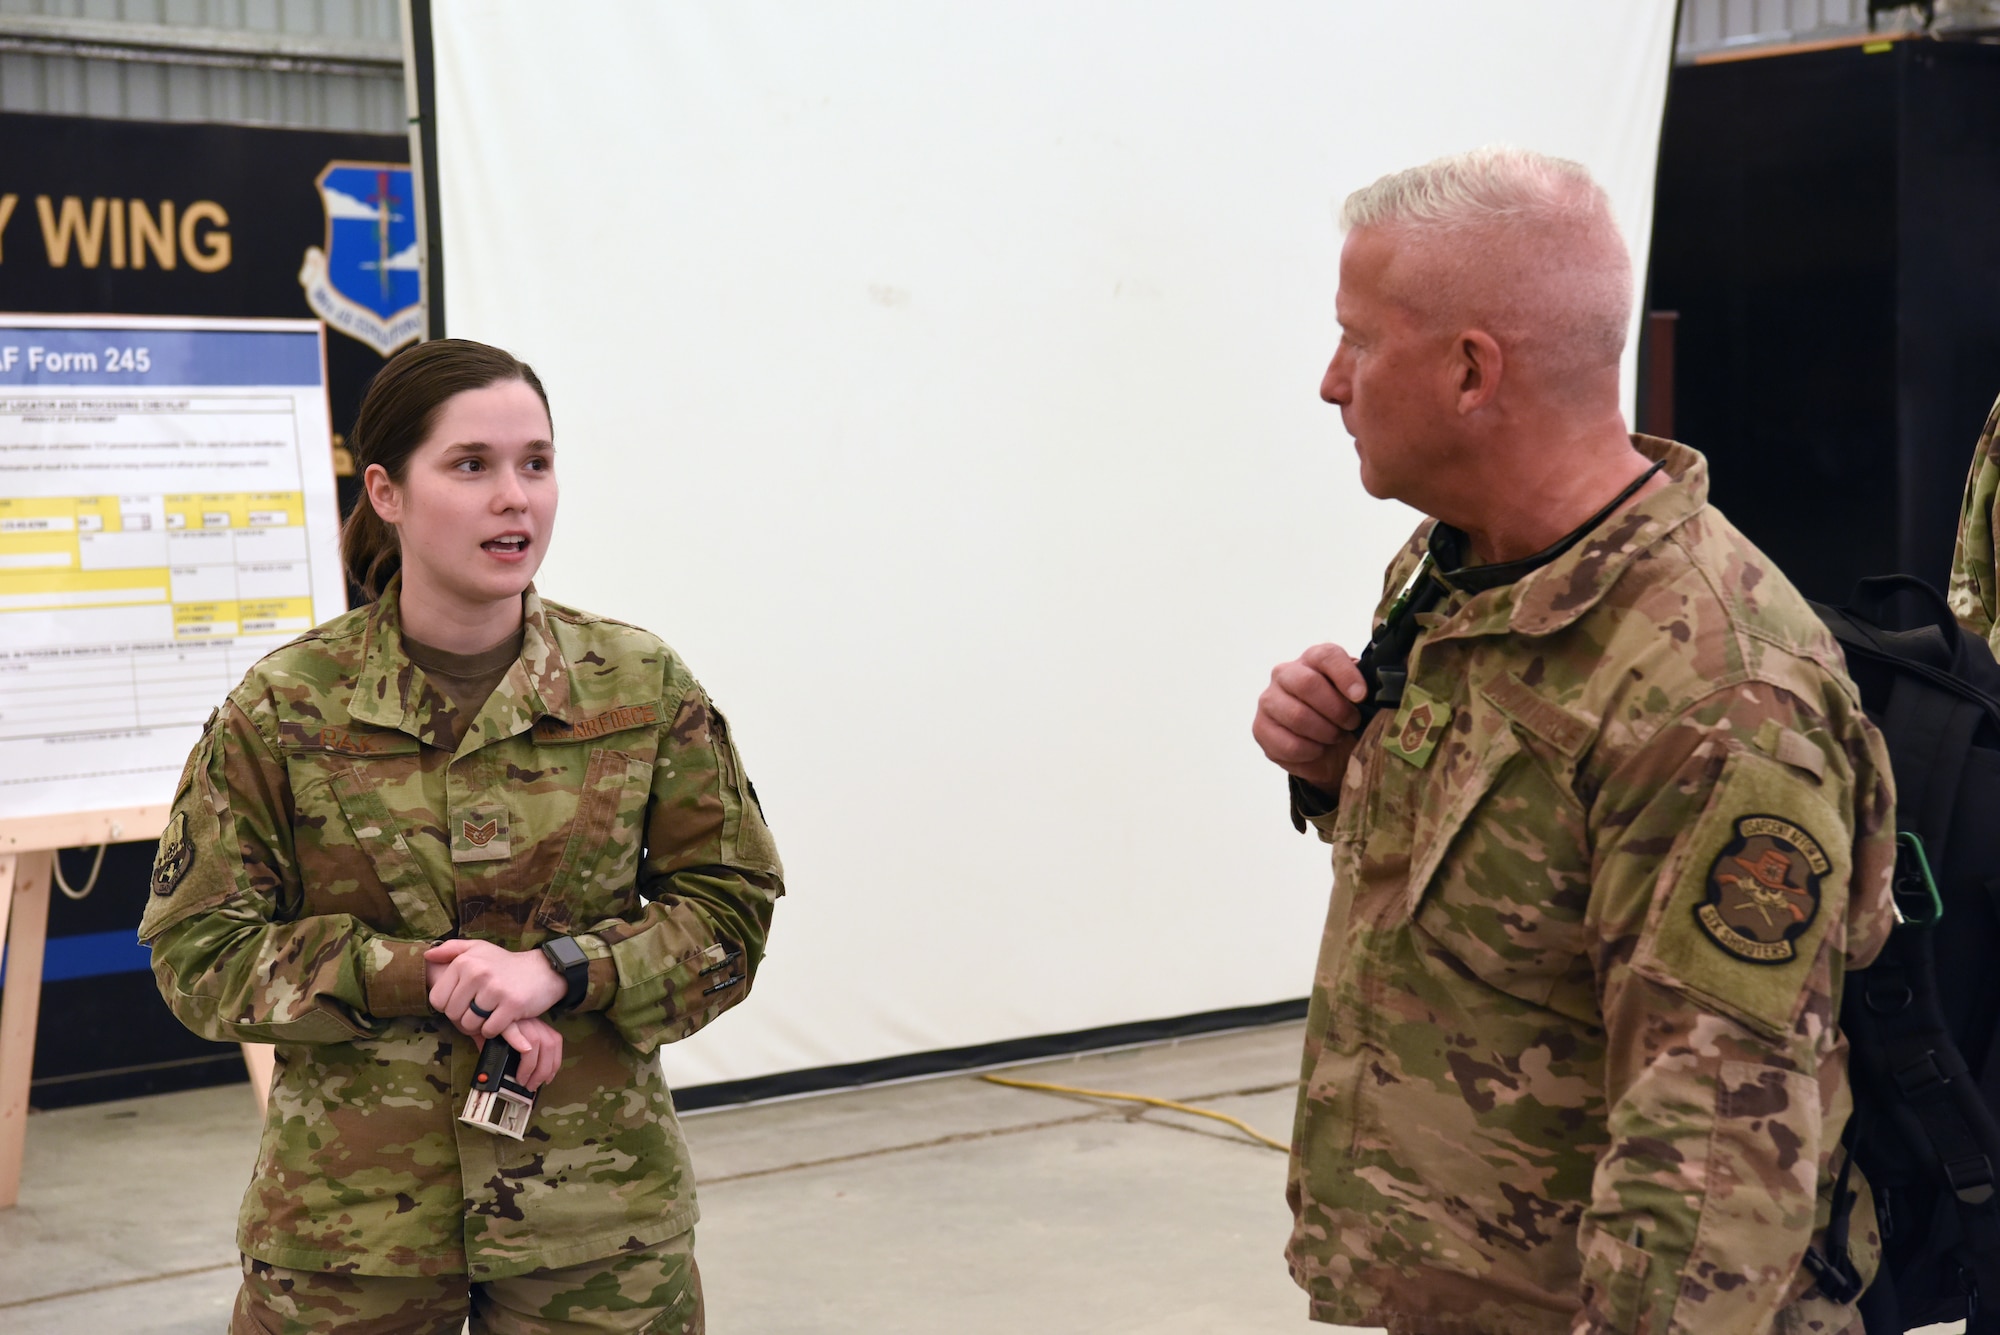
366 282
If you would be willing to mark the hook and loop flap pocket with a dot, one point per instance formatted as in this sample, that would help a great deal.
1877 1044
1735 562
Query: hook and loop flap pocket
1613 1287
1463 777
600 860
1500 880
380 839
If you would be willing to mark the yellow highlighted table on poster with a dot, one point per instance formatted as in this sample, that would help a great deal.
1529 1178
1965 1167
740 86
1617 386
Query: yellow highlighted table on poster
160 530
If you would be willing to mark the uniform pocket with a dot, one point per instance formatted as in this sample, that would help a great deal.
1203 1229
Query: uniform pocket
597 877
1505 878
1614 1282
1760 1182
376 850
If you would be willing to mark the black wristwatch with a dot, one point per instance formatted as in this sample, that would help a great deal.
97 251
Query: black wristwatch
566 957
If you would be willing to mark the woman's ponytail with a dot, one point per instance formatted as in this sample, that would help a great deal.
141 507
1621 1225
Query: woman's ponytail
368 549
396 417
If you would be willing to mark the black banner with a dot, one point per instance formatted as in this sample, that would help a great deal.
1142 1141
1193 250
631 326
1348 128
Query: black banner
105 217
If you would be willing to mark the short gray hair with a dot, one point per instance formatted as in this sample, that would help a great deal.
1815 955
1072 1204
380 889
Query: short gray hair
1520 241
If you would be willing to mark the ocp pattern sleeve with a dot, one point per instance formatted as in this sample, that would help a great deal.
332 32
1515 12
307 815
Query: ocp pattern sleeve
1725 1085
710 877
1974 597
232 956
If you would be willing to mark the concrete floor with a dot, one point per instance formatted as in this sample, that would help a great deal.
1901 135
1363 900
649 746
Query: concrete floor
949 1205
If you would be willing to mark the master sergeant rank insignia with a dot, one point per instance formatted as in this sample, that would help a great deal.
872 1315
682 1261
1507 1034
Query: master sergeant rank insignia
171 863
1418 726
1763 890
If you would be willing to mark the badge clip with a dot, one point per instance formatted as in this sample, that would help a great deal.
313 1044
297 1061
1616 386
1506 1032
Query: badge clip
497 1103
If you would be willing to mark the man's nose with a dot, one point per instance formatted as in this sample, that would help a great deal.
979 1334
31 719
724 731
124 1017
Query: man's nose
1336 387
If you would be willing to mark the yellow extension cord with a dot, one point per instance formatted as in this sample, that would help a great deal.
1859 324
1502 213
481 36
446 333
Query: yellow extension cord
1238 1123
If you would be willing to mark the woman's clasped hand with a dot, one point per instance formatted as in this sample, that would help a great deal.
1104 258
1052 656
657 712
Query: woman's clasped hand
491 992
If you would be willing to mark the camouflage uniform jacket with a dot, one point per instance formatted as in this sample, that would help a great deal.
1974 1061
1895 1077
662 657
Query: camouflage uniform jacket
1571 1061
1975 571
321 841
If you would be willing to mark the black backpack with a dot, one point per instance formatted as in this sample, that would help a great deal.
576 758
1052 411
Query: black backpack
1921 1019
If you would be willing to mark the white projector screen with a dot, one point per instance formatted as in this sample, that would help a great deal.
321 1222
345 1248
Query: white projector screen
941 381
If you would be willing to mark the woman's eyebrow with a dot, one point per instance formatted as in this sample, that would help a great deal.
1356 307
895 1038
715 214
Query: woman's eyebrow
462 447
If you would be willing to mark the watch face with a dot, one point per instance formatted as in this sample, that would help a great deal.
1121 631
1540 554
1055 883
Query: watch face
568 959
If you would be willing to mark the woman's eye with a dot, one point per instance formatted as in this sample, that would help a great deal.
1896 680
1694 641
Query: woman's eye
468 465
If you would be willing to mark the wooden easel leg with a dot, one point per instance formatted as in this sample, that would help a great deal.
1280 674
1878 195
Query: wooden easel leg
260 1059
25 879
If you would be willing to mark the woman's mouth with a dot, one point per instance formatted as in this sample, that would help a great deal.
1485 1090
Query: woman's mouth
511 545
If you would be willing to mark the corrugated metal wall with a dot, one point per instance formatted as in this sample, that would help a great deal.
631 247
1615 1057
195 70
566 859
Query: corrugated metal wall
332 64
1709 26
322 64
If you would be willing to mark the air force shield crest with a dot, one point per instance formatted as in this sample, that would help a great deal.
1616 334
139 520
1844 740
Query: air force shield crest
367 283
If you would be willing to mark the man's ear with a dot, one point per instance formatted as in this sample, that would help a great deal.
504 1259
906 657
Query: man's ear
383 494
1477 367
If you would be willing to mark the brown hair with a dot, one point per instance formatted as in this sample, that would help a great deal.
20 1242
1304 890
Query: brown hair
397 414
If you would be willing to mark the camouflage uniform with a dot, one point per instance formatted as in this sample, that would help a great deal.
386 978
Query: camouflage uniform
321 841
1571 1061
657 1291
1975 566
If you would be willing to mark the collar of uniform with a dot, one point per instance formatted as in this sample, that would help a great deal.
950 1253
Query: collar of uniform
1546 600
391 692
537 684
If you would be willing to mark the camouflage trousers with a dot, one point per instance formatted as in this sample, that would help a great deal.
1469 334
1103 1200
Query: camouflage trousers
655 1290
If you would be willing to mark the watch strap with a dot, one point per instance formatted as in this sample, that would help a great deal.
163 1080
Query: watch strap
566 957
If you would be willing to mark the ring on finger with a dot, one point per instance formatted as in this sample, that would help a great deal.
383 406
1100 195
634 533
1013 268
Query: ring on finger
479 1010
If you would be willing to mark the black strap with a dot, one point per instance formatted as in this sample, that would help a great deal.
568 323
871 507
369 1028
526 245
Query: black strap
1384 664
1447 544
566 957
1929 734
1832 1265
1912 1071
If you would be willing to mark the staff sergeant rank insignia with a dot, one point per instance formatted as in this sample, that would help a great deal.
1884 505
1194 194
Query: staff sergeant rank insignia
171 863
1763 890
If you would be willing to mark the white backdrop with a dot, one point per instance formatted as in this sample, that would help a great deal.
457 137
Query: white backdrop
941 381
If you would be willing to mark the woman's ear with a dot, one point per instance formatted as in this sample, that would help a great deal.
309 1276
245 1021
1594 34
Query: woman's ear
383 494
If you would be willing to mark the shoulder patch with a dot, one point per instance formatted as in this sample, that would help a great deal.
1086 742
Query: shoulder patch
176 855
1746 898
1763 890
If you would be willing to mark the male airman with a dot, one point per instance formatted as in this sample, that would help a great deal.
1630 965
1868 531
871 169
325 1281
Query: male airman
1608 823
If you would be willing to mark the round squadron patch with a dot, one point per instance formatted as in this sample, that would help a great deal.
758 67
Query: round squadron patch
1763 890
171 863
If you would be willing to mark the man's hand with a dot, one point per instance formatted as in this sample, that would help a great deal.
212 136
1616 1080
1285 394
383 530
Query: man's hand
509 986
1306 720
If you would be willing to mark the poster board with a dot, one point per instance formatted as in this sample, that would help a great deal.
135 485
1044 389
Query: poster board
167 517
940 381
